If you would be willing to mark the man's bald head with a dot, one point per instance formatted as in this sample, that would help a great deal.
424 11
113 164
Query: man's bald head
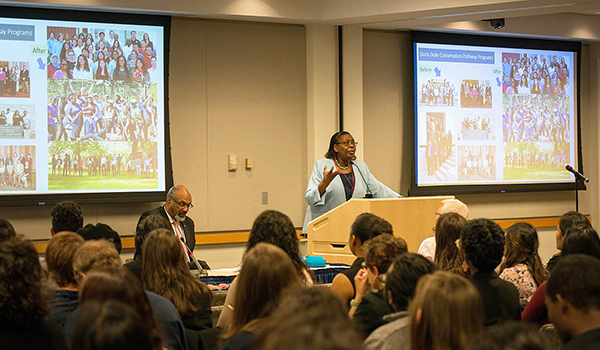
179 202
453 206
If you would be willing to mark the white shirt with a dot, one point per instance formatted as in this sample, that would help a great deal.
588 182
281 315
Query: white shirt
427 248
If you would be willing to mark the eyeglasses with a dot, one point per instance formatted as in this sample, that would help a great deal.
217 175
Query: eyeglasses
348 143
183 204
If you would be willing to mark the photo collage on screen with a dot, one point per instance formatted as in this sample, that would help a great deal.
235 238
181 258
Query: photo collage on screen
101 109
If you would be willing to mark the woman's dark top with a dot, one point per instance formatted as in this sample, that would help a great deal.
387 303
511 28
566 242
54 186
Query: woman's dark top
239 341
62 306
39 335
352 271
349 182
369 313
201 319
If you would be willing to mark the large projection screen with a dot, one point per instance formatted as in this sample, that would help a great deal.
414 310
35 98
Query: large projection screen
83 112
494 114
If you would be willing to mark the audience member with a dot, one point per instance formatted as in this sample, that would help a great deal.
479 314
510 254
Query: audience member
308 318
66 216
23 304
365 227
110 325
94 255
573 301
400 284
428 246
368 308
59 258
510 336
7 230
101 231
149 224
276 228
577 240
445 313
522 265
567 220
266 272
483 243
165 273
447 233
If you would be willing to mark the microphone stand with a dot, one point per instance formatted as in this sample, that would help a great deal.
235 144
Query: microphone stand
576 194
201 271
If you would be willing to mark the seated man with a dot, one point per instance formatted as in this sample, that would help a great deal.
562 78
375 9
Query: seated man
567 221
427 247
483 243
401 281
573 301
59 259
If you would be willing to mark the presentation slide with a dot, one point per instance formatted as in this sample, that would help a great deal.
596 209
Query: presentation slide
81 107
491 115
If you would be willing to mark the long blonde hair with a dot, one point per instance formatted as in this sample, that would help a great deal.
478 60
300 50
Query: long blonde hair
446 313
165 272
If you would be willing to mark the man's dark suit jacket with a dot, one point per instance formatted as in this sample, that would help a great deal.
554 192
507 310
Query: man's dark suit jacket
188 225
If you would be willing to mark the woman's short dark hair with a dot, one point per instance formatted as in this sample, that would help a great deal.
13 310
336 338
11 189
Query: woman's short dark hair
332 142
274 227
572 219
7 230
22 294
581 240
107 325
149 224
367 226
483 243
403 276
381 251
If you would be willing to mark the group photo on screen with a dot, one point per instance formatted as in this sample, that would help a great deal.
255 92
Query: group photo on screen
17 168
101 54
108 165
476 126
439 150
80 110
438 92
533 73
14 79
536 160
476 163
17 121
475 94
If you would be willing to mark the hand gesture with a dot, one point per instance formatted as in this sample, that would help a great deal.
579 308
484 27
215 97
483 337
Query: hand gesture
329 175
361 283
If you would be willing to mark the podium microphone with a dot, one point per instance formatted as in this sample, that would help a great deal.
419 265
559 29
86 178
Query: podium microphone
577 174
369 194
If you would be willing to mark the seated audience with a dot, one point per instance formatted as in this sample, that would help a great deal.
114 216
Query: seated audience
522 265
7 230
66 216
94 255
101 231
368 308
428 246
267 271
577 240
110 325
59 258
445 313
147 225
400 283
165 272
276 228
483 243
23 304
308 318
573 301
567 220
365 227
511 336
447 232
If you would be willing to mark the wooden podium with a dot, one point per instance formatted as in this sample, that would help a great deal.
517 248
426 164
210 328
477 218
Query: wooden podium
411 217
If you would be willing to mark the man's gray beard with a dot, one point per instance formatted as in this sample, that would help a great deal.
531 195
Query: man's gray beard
179 218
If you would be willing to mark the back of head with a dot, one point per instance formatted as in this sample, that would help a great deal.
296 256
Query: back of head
22 297
266 272
454 206
59 257
309 318
367 226
101 231
149 224
581 240
510 336
93 255
276 228
446 312
576 279
381 251
447 232
522 248
66 216
483 243
110 325
403 275
7 231
571 219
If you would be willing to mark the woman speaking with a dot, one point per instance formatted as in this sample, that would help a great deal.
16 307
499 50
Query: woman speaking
339 177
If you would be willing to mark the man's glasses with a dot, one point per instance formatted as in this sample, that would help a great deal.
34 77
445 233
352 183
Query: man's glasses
183 204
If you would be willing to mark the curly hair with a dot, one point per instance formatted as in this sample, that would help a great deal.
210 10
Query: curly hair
483 243
522 248
22 294
66 216
7 230
274 227
382 250
367 226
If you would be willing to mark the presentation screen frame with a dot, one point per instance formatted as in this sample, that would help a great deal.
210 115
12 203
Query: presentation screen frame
110 18
494 42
